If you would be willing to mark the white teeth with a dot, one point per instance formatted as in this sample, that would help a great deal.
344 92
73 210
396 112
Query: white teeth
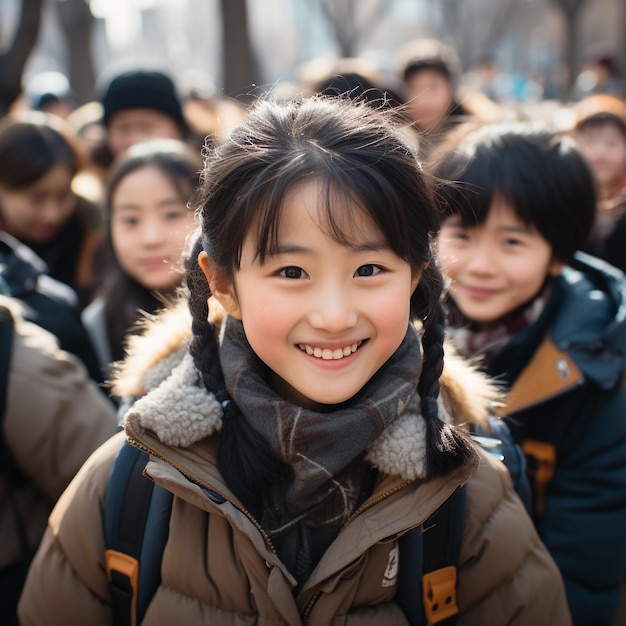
327 354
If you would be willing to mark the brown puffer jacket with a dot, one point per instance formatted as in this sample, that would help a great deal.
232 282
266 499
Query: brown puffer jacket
55 417
218 566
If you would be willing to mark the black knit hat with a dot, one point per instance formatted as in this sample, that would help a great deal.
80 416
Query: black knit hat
147 89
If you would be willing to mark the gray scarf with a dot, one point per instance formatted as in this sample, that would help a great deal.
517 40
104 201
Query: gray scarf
325 450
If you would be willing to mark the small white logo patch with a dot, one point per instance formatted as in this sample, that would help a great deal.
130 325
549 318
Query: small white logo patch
391 571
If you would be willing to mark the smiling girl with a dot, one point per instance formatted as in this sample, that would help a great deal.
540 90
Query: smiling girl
298 417
142 255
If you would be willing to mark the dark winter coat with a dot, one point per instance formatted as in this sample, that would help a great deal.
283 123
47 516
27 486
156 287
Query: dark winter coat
47 302
567 404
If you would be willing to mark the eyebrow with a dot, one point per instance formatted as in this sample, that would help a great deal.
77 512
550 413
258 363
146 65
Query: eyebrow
162 204
456 222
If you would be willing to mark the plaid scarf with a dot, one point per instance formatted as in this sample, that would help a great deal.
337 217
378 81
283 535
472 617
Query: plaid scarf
483 344
325 450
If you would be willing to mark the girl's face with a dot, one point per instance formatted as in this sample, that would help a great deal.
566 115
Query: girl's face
429 98
323 317
494 267
604 148
35 214
149 226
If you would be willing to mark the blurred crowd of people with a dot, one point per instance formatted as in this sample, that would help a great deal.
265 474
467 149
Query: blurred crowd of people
97 213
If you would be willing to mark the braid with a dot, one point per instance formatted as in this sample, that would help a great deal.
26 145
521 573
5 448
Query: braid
203 346
244 457
447 447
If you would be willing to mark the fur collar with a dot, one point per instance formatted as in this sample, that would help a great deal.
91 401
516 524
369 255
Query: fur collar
176 406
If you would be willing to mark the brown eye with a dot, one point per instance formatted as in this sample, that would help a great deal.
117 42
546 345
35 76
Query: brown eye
292 272
368 270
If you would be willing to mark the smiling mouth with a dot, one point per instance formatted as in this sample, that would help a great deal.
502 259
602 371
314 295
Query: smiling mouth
327 354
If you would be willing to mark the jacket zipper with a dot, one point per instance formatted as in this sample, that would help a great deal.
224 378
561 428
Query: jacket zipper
366 505
371 502
196 481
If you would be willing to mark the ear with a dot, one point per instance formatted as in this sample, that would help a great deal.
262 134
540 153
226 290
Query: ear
555 267
221 289
417 276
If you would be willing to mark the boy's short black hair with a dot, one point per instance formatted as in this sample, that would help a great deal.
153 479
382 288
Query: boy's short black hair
428 54
600 120
541 174
600 110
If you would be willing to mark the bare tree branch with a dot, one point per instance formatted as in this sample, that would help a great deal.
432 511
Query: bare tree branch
498 28
12 61
350 22
77 24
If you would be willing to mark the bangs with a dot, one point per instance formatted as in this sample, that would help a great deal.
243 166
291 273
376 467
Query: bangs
341 198
483 180
602 120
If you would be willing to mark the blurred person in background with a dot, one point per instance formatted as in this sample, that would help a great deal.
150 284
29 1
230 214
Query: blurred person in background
549 324
351 77
430 71
50 92
148 220
600 132
39 158
53 417
601 74
141 104
47 302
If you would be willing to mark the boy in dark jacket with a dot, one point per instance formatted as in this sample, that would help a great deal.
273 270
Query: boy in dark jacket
548 323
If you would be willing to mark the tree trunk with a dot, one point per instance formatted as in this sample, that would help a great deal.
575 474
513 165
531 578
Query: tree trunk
77 23
238 62
571 10
13 60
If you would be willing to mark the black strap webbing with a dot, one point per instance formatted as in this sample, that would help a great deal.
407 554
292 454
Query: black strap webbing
6 347
433 546
136 523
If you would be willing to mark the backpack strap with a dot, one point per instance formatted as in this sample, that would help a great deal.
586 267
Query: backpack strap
6 343
13 475
136 525
431 552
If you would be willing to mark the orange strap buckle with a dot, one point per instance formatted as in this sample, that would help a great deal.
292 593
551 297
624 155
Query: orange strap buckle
545 457
439 594
123 570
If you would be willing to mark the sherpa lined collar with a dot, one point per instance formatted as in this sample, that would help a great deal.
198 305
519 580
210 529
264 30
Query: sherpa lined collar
181 411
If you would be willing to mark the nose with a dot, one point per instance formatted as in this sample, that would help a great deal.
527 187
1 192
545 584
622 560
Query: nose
152 232
335 309
482 260
53 211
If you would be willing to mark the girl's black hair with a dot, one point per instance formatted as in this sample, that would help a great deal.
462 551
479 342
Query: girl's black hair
125 297
365 162
31 143
540 173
